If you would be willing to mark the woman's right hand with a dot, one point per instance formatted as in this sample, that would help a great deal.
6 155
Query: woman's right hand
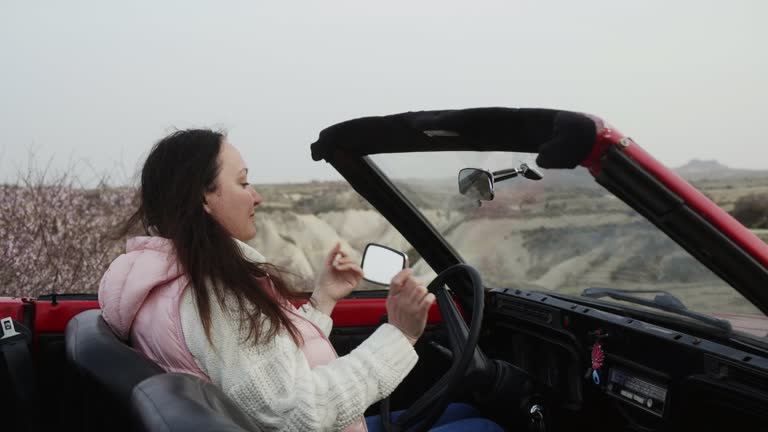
408 304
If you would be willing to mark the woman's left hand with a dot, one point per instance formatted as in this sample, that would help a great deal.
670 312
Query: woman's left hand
339 276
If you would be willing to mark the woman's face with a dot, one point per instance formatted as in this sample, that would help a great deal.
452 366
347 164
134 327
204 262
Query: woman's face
232 204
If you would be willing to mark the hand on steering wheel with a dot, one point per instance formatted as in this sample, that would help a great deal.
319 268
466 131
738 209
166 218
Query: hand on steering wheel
463 346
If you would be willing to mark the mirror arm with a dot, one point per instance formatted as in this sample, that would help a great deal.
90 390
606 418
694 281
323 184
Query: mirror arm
504 174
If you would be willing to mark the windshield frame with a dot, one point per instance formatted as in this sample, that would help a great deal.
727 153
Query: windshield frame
690 219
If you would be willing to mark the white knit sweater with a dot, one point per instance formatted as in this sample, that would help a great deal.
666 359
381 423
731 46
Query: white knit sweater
272 381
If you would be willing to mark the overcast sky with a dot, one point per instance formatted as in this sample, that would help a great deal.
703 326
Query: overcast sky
96 83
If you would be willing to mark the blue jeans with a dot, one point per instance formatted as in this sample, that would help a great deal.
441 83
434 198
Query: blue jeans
457 417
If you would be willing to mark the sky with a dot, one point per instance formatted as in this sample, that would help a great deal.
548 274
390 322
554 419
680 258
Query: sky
89 86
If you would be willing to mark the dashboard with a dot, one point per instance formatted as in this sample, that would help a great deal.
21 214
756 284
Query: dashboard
610 371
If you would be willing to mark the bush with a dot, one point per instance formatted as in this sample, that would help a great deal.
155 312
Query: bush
56 234
752 211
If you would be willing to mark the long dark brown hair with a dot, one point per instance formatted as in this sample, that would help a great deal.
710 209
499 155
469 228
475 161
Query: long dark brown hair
179 170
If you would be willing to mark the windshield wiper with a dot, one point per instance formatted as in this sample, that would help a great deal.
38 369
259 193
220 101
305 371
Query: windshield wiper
663 301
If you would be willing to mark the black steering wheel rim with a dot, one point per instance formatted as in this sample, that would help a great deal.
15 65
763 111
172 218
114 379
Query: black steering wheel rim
421 415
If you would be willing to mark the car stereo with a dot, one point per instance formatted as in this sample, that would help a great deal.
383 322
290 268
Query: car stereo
640 392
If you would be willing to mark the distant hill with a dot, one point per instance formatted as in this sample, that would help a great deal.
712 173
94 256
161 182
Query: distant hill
695 166
698 169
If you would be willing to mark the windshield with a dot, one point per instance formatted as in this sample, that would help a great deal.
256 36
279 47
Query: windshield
563 233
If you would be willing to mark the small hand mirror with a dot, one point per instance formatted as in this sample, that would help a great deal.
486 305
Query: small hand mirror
380 263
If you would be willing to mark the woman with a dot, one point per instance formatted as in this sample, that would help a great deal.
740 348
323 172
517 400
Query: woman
195 298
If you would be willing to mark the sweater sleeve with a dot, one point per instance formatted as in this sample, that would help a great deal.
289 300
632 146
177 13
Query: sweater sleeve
321 320
272 380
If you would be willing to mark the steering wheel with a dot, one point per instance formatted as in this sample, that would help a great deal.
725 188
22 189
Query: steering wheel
423 413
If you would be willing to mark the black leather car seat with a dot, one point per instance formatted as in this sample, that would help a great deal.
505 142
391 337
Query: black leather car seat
19 400
105 371
176 402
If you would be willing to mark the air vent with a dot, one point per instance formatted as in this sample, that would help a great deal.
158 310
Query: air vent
751 379
524 310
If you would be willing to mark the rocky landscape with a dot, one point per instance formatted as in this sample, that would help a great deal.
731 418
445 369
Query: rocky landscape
564 233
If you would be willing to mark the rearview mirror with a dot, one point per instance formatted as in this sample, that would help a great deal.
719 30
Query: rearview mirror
380 263
476 184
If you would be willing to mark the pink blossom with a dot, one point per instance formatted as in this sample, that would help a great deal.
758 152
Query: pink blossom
55 236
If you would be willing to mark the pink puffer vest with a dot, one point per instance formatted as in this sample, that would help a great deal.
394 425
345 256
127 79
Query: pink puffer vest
140 296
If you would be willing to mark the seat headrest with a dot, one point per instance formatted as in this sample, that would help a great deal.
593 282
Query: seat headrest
179 402
97 353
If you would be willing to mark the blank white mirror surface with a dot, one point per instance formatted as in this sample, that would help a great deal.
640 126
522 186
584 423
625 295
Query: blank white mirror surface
381 264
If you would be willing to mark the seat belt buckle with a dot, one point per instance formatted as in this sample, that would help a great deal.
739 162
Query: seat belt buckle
9 330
